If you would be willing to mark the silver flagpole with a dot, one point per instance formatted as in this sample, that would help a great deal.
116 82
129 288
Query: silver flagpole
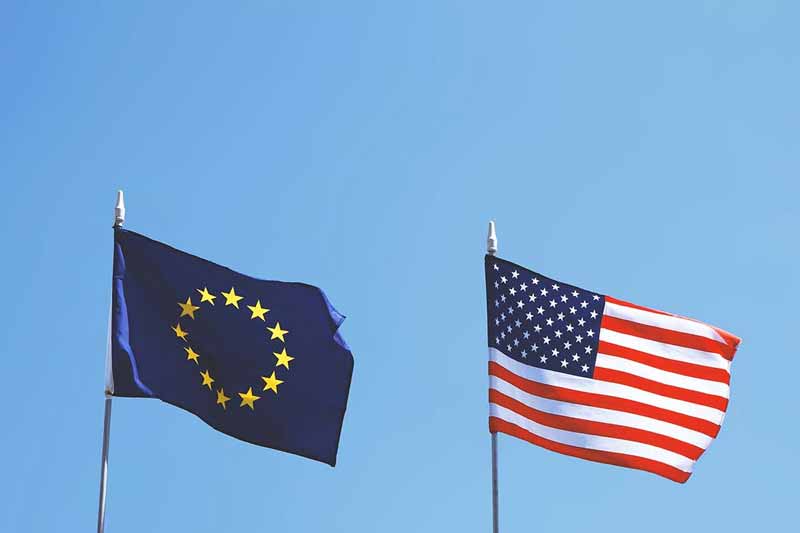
119 219
101 511
491 249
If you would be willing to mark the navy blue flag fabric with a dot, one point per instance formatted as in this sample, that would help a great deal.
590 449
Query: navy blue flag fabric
259 360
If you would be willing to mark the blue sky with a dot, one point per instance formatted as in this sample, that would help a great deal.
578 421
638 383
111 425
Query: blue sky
647 152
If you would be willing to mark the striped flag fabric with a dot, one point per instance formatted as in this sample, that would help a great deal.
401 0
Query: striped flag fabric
602 379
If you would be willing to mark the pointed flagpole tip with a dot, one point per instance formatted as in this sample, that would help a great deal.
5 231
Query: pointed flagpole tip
491 241
119 210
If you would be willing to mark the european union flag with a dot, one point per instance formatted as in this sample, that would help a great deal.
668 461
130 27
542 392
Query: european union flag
259 360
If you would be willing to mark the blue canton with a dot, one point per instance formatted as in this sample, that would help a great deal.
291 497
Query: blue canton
542 322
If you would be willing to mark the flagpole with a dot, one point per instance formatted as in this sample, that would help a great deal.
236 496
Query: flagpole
119 219
101 511
491 249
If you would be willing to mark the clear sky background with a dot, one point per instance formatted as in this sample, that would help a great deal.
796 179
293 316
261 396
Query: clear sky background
647 152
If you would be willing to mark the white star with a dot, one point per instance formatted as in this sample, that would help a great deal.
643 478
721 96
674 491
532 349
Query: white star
552 303
595 297
584 304
543 292
516 342
564 363
535 281
510 310
503 279
563 298
567 345
496 303
523 287
593 314
588 349
590 333
497 340
512 291
537 328
532 297
543 359
529 316
524 354
546 340
509 347
575 357
496 321
575 294
496 285
502 335
561 316
520 304
540 310
558 333
525 334
572 310
517 323
569 327
555 352
581 322
579 338
535 347
585 368
549 321
555 286
509 328
502 297
515 274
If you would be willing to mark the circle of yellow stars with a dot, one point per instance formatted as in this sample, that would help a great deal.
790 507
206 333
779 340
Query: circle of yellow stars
257 311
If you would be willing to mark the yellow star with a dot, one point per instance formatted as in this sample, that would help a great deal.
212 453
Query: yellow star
231 298
271 383
221 398
258 311
283 358
206 296
179 332
191 355
188 308
277 332
248 398
207 379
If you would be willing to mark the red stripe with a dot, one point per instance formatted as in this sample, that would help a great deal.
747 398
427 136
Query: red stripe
656 387
612 458
662 363
553 392
591 427
669 336
628 304
730 339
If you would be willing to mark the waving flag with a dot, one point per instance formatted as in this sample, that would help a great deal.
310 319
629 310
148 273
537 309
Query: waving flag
260 360
598 378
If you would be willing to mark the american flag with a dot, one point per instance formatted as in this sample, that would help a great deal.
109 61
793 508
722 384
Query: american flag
598 378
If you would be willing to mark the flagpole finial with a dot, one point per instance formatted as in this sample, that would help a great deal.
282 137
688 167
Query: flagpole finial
119 210
491 241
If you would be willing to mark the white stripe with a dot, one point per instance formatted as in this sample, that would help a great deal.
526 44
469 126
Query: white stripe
662 349
675 323
595 386
662 376
594 442
599 414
